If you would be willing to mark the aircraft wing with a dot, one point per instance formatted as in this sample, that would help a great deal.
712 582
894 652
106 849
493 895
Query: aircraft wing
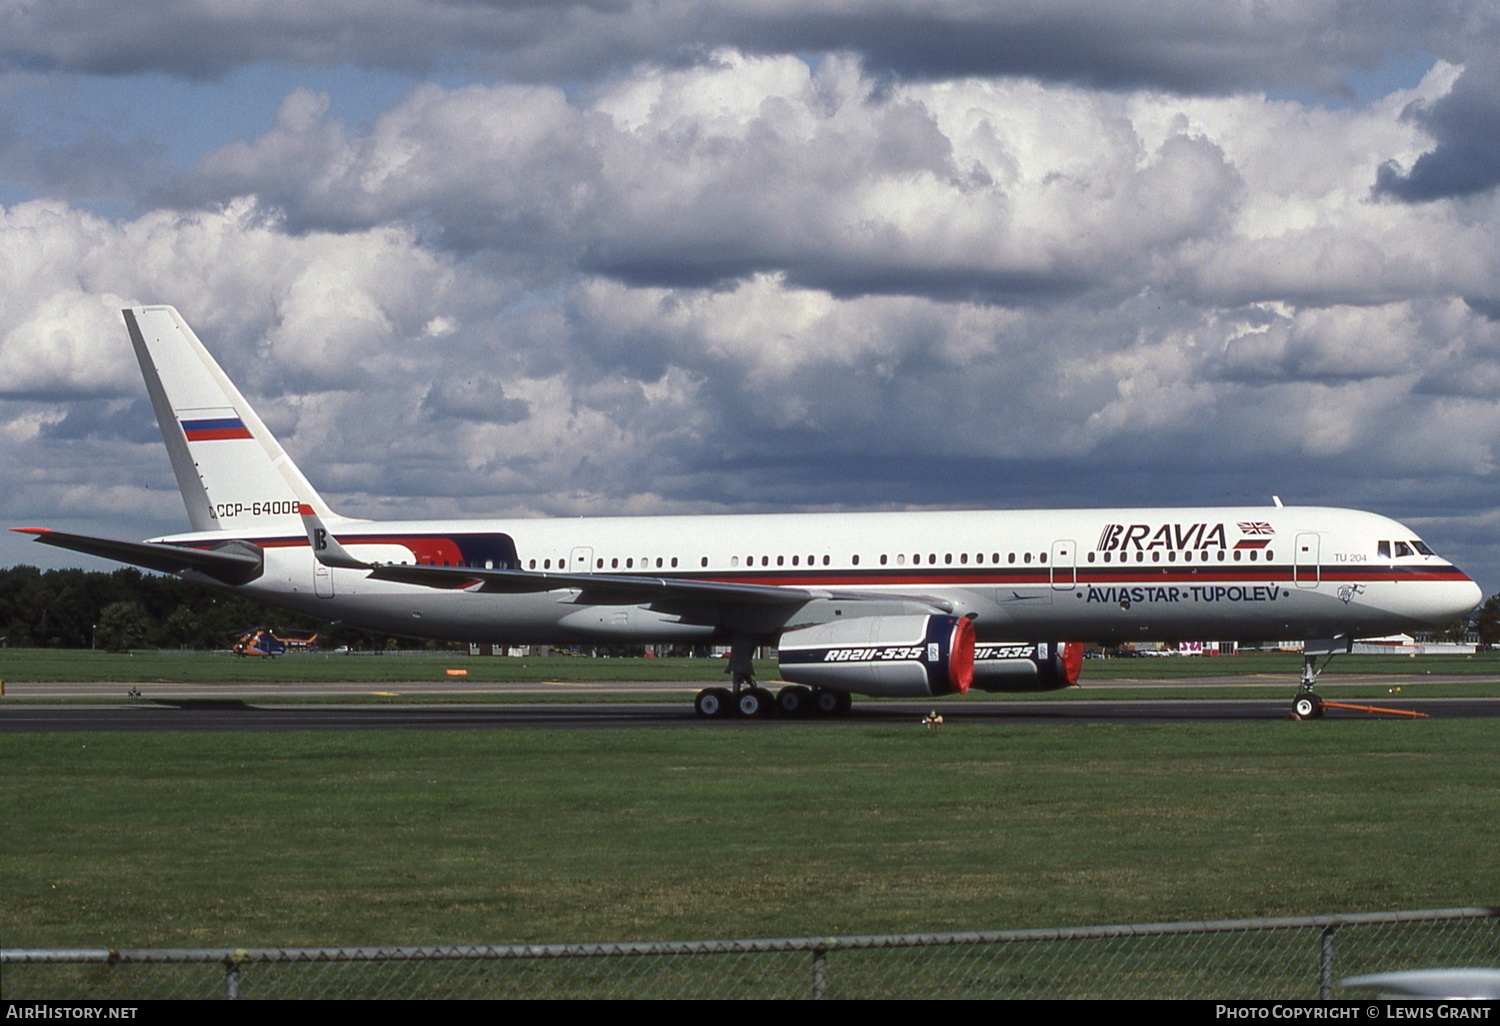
615 589
233 562
600 588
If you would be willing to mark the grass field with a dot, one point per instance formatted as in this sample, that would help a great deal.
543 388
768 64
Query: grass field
516 835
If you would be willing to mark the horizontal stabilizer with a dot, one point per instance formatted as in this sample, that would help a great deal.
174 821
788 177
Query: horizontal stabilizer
232 562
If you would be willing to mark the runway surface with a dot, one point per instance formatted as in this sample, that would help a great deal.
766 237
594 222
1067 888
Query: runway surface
1275 685
226 714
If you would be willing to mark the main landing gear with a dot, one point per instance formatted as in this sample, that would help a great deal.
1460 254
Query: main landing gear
747 699
753 701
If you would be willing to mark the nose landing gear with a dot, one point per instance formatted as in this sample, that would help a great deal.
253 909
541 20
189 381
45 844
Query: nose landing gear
1308 706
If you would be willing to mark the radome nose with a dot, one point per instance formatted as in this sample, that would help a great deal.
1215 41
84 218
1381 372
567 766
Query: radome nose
1471 593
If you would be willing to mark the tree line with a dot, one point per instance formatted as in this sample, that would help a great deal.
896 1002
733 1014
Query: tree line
127 609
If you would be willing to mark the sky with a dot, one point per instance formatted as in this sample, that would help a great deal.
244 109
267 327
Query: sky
490 258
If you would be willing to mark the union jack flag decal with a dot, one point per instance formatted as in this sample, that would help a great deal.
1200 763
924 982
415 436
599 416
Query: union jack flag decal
1255 527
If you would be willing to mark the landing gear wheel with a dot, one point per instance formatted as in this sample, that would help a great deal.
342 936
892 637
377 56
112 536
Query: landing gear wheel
794 700
831 703
712 702
1308 707
753 702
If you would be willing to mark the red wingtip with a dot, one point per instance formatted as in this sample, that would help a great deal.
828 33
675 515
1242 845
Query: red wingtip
32 530
304 510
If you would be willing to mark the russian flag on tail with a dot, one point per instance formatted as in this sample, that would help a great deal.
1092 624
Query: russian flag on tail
215 429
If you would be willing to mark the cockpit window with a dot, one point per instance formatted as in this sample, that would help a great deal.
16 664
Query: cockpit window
1384 550
1421 547
1403 549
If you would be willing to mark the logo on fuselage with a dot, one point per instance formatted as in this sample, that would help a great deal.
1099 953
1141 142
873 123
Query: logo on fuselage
1172 537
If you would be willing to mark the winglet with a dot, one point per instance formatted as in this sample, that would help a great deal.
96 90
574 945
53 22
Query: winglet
325 547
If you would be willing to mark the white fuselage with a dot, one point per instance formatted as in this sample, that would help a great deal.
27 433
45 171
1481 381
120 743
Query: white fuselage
1109 575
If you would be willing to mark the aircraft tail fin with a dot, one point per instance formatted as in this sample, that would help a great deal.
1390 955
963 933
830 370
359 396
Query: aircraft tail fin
233 474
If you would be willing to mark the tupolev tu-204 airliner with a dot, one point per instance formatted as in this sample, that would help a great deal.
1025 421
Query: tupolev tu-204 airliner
894 603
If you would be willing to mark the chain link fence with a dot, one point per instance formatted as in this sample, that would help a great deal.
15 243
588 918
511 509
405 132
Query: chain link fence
1286 958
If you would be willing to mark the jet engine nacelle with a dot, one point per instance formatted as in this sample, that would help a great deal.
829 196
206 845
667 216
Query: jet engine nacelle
1012 666
899 656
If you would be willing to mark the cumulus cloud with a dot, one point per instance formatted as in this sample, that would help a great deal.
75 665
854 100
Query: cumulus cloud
756 165
1180 46
1465 124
